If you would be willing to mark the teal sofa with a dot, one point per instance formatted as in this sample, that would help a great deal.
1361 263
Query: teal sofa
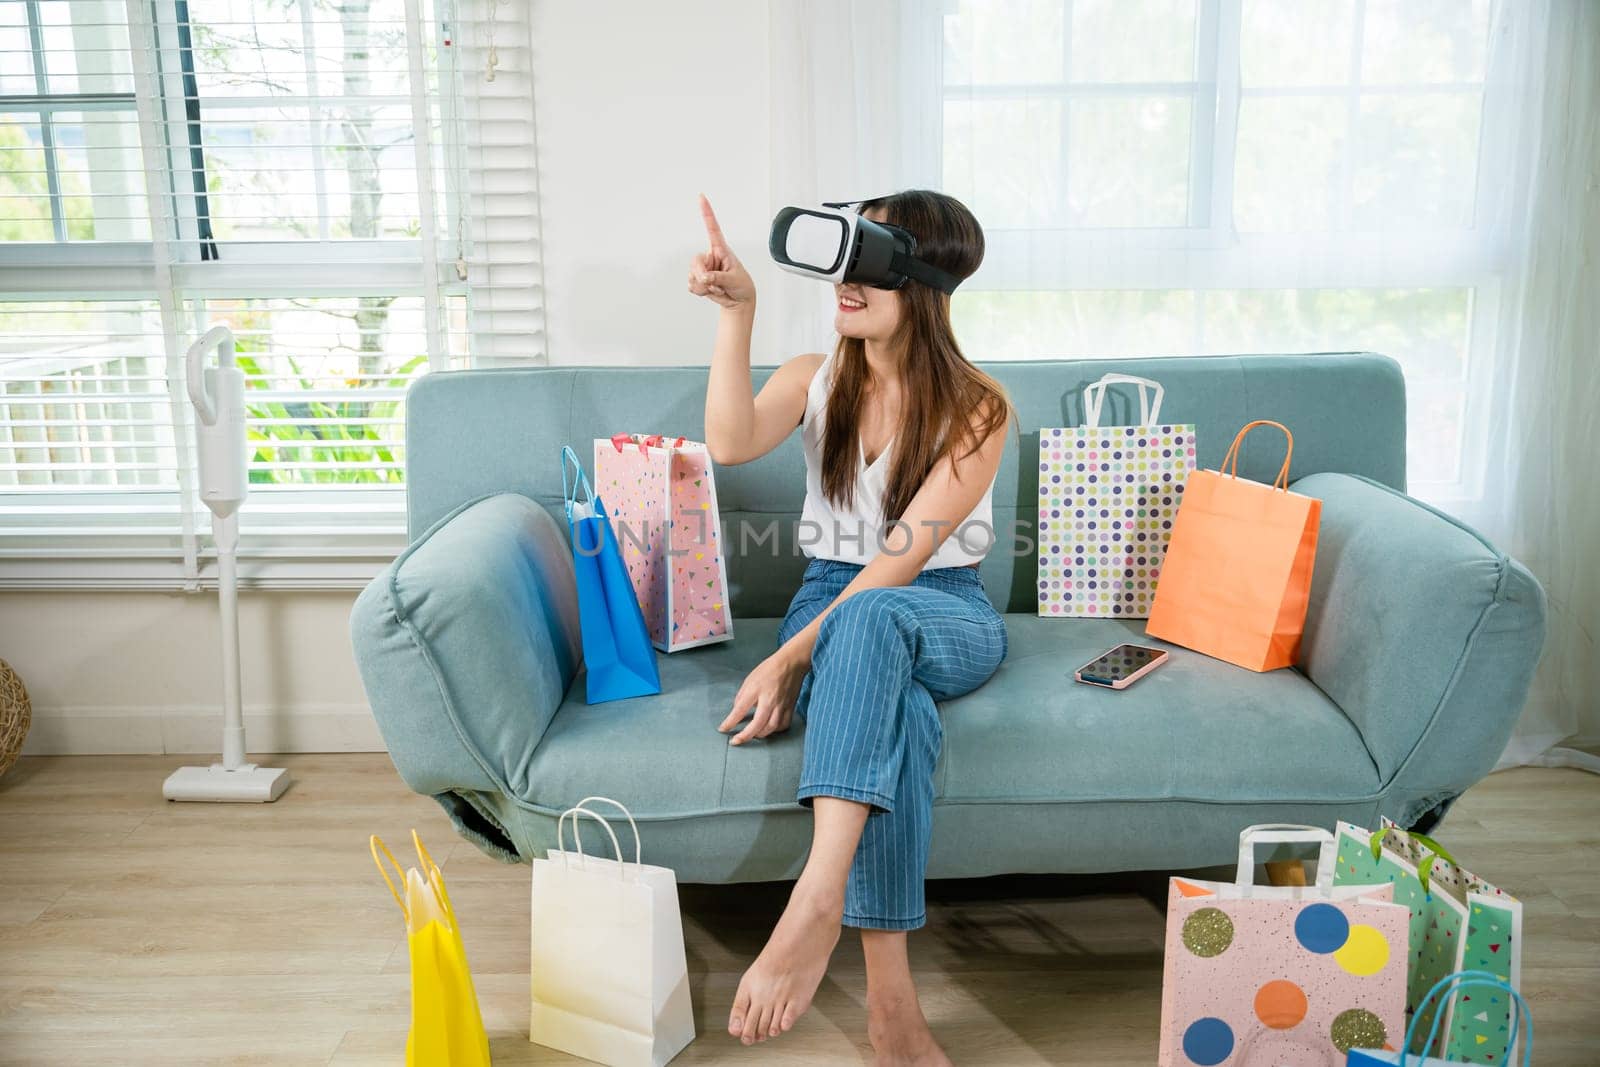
1420 641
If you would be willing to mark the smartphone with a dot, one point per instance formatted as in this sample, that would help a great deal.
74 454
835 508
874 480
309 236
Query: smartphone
1121 667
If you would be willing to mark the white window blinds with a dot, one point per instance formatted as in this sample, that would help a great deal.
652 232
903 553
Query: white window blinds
349 184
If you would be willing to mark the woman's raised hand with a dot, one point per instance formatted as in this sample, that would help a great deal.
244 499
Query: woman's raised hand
716 273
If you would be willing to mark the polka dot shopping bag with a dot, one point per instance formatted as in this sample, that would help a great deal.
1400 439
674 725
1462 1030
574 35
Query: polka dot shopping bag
1108 496
1281 974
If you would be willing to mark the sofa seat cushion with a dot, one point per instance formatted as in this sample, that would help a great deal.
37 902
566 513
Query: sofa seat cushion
1196 729
661 755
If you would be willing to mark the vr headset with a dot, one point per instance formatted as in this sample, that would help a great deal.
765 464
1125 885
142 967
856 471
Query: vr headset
834 243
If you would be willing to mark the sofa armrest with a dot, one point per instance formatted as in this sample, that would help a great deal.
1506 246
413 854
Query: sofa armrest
1423 633
466 645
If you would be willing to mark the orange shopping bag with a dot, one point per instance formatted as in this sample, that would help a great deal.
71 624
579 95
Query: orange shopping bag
1238 570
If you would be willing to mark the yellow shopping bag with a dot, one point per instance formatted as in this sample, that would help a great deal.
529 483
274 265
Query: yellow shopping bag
446 1026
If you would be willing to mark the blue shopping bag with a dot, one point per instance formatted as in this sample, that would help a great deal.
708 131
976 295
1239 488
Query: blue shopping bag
617 652
1482 981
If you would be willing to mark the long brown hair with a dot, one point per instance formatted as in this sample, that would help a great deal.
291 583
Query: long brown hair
949 406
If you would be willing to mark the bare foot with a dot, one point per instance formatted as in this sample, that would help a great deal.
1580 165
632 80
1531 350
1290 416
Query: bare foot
778 987
900 1034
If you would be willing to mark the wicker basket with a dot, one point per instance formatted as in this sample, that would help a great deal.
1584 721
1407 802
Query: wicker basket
15 715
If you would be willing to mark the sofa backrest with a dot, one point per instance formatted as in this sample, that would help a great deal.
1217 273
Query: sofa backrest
474 433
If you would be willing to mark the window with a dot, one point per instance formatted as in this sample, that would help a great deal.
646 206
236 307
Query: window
1163 177
346 183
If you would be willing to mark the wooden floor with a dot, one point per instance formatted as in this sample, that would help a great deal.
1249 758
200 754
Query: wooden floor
133 931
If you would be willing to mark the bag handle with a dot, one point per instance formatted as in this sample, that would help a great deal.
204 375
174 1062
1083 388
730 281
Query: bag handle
425 860
1282 480
1285 833
375 843
577 841
638 855
430 871
569 484
1094 396
1447 987
1436 852
655 440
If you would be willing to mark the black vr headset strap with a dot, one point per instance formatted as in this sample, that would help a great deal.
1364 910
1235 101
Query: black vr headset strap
926 273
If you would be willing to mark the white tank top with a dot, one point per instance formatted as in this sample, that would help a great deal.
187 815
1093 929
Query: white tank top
854 534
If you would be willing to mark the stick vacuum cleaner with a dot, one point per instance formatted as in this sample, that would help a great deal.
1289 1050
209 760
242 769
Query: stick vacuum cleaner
218 397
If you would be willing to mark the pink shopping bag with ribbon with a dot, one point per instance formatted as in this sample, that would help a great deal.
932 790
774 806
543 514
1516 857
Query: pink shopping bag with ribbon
1281 974
662 495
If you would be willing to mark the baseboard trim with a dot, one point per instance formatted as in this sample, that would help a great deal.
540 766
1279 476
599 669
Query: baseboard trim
141 730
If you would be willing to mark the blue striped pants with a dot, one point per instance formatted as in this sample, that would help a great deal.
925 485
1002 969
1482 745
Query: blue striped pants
872 732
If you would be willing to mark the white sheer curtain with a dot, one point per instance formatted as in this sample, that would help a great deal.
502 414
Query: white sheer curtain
1542 501
839 130
1163 177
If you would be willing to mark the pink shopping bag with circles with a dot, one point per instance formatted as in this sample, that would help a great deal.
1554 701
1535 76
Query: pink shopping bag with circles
1259 975
662 495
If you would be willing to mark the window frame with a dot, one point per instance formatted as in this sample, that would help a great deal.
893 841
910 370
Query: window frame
45 104
1216 256
292 537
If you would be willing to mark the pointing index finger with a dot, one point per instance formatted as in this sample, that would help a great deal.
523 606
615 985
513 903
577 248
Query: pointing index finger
713 230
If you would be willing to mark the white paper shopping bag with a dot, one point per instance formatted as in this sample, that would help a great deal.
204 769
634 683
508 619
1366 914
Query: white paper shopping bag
609 978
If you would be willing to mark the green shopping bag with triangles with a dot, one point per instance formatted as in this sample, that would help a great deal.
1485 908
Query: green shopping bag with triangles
1458 922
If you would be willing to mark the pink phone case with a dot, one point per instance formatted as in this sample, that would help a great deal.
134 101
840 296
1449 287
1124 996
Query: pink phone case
1130 679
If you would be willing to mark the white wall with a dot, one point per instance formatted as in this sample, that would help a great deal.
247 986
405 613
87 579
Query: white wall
640 107
138 672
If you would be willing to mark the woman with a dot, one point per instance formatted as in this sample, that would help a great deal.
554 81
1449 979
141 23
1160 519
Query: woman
891 616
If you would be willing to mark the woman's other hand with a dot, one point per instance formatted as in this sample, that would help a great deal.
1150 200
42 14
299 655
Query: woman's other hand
768 696
716 273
